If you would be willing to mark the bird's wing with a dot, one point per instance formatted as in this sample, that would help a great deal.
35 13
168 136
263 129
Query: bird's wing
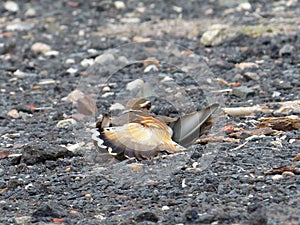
190 126
129 116
143 139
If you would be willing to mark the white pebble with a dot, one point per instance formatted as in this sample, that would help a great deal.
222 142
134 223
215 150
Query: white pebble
177 9
11 6
22 219
138 83
73 147
245 6
277 177
106 89
276 94
165 208
52 53
166 79
183 185
19 73
292 140
120 5
71 70
13 113
30 12
87 62
81 33
105 58
66 123
92 51
18 25
107 94
116 106
130 20
40 48
150 67
70 61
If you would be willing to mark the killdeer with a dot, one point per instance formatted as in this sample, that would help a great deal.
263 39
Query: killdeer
141 134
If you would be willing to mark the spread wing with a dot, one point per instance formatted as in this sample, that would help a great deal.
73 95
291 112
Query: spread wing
190 126
142 137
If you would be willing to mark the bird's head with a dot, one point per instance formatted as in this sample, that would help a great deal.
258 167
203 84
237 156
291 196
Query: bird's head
139 104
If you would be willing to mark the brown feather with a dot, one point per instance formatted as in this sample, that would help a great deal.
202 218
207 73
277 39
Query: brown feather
140 134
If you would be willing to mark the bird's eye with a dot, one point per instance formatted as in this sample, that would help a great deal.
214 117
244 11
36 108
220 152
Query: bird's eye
146 105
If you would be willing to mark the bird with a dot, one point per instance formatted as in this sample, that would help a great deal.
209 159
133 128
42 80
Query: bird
138 133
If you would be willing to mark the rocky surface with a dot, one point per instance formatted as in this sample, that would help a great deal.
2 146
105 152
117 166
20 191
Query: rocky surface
49 169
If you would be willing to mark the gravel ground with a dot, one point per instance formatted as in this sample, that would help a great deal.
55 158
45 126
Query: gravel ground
245 54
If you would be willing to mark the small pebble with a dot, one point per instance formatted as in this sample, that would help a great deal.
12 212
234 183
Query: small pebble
87 62
165 208
105 89
215 35
276 94
74 147
73 211
107 94
23 219
286 50
66 123
292 140
116 106
52 53
40 48
277 177
250 196
140 39
136 84
71 70
244 6
13 113
81 33
19 26
100 217
119 5
11 6
209 37
291 3
30 12
105 58
251 76
130 20
195 164
166 79
183 184
136 167
246 65
19 73
242 91
93 51
70 61
150 68
73 96
177 9
288 174
1 172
